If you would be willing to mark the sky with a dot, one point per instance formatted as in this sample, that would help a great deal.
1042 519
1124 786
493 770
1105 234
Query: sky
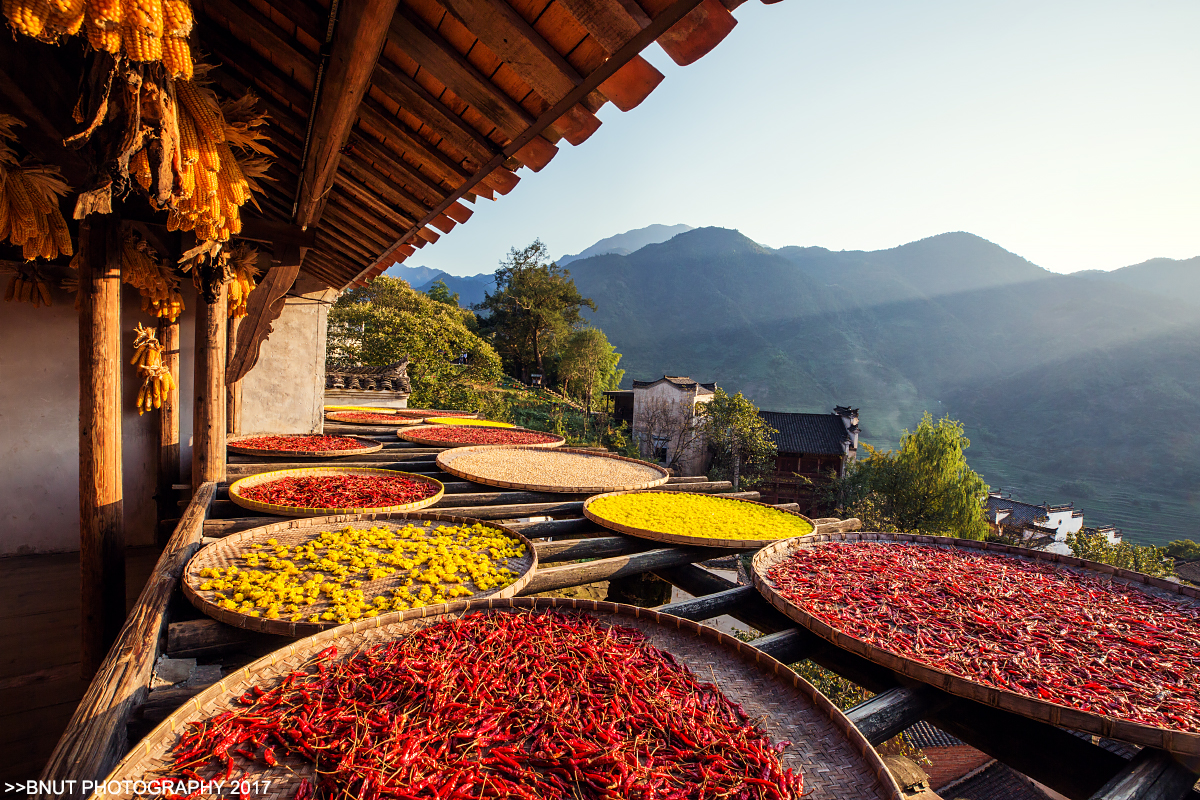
1066 132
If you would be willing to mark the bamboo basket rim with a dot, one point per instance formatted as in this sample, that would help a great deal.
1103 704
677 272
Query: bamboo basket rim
674 538
468 422
296 511
445 458
410 435
843 741
1181 743
369 446
332 416
239 541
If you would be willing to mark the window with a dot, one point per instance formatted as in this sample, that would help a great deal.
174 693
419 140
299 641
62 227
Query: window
660 447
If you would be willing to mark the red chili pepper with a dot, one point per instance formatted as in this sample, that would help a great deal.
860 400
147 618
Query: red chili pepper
593 712
341 491
301 442
478 434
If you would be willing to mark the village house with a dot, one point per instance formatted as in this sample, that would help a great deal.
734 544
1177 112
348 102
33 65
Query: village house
664 422
811 448
1042 527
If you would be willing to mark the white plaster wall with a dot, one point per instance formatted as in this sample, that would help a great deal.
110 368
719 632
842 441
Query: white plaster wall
285 392
39 426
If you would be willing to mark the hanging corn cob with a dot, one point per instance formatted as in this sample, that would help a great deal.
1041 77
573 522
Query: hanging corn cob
156 378
157 284
29 214
146 30
243 261
28 285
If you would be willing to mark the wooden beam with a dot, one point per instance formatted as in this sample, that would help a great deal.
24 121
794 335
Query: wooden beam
413 144
258 28
595 547
606 569
263 230
709 605
888 713
208 413
95 738
101 501
391 161
1150 775
168 422
361 32
233 390
673 13
263 307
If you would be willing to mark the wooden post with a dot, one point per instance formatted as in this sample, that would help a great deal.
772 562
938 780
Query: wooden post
101 504
208 418
233 400
168 424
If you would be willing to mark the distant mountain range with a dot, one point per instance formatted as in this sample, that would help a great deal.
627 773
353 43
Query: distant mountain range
471 288
628 242
1082 386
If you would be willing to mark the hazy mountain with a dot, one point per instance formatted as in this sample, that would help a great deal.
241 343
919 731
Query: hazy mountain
1059 378
1165 276
628 242
414 275
470 288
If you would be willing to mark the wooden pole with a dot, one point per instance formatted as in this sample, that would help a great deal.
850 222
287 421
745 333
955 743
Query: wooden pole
101 504
168 424
233 400
208 418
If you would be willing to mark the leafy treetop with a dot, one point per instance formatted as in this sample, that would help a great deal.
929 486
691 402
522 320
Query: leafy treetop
734 428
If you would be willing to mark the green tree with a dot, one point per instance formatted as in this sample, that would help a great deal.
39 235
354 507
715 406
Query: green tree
439 292
1139 558
533 309
1183 550
740 439
388 321
589 365
924 487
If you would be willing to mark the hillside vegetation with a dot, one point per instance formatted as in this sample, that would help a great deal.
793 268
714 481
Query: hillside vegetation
1072 387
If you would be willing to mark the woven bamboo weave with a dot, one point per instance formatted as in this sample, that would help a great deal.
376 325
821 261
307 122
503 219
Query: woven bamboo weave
446 459
694 541
1179 742
366 446
231 549
427 435
235 491
836 760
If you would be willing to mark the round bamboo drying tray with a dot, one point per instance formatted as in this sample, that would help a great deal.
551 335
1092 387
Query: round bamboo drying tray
423 413
837 761
340 418
480 423
415 436
295 511
1182 743
368 446
695 541
370 409
226 551
446 459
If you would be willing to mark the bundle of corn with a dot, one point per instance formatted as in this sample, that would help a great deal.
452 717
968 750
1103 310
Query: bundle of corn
214 182
156 379
157 284
28 286
243 260
29 192
145 30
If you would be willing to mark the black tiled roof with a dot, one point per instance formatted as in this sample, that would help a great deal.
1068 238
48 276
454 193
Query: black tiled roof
995 782
924 735
1188 571
681 381
812 434
1021 514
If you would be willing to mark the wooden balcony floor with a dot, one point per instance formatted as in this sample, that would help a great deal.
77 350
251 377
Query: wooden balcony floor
39 665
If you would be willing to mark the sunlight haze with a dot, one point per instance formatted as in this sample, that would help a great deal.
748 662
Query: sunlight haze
1064 132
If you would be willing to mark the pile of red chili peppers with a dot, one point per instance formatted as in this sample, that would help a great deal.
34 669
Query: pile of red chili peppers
511 705
367 416
1033 628
310 443
340 491
426 414
479 434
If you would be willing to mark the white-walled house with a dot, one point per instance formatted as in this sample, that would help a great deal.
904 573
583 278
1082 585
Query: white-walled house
1044 527
664 422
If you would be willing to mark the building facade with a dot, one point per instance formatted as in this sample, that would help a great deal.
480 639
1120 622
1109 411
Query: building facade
811 448
1042 527
665 424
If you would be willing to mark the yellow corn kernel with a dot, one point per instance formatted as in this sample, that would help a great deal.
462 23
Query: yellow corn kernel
203 108
139 166
210 158
146 15
141 45
107 40
22 216
177 57
28 16
62 236
177 18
